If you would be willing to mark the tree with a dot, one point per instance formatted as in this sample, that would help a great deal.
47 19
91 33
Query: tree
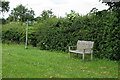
115 7
22 13
47 14
4 5
72 15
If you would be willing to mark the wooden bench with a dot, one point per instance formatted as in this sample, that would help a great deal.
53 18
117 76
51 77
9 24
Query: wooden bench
82 47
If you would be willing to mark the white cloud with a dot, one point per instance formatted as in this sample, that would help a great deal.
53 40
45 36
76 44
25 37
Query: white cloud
59 7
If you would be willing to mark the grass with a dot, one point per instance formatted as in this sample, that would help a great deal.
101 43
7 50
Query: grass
34 63
0 60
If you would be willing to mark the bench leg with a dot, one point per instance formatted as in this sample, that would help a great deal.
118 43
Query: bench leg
69 54
77 54
91 56
83 57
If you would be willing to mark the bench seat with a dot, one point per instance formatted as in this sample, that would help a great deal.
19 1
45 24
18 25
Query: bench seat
79 52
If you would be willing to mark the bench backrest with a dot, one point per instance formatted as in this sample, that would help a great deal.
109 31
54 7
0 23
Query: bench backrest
81 45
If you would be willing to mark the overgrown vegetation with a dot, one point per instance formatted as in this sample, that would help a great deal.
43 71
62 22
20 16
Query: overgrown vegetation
51 33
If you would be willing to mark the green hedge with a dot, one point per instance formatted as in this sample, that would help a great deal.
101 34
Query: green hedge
59 33
15 32
102 30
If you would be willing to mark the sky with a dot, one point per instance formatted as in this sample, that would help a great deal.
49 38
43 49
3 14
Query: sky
59 7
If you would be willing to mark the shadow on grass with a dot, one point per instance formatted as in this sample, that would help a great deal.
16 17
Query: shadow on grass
79 57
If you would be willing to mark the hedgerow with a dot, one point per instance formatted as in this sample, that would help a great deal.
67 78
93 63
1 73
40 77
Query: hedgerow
59 33
15 32
100 28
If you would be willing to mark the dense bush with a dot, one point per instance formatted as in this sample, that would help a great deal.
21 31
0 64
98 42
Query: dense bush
102 27
3 21
15 32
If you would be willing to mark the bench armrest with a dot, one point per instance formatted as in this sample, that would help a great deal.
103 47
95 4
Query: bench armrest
71 47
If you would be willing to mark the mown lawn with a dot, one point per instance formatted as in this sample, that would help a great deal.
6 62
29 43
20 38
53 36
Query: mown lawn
0 60
18 62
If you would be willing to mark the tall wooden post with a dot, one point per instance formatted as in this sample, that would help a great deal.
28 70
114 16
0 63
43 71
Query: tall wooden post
26 43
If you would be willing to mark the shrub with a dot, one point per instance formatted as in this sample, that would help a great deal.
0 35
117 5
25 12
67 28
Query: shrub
14 32
59 33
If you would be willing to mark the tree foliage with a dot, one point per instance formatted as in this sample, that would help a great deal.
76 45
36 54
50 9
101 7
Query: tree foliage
21 13
115 6
47 14
4 5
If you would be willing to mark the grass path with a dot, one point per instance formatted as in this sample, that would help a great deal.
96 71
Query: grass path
34 63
